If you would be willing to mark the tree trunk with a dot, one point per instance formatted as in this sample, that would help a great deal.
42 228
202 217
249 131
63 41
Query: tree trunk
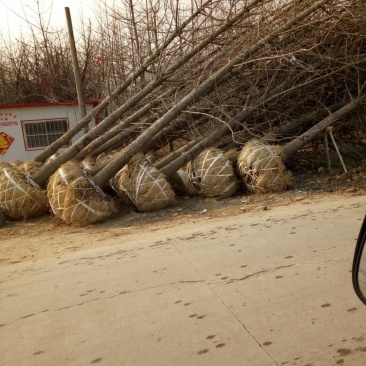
175 154
64 140
355 151
230 124
116 130
47 170
166 133
297 123
292 147
115 142
202 90
201 145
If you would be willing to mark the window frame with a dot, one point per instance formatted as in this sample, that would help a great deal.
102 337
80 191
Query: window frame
45 135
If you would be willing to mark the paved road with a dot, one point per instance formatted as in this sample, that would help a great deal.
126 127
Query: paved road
255 290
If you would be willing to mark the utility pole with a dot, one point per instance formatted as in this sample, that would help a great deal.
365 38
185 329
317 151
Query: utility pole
75 63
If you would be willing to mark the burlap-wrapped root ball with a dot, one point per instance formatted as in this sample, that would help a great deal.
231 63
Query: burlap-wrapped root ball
232 155
182 184
212 174
75 198
146 186
15 162
273 181
58 185
117 184
88 164
30 167
20 197
103 159
262 167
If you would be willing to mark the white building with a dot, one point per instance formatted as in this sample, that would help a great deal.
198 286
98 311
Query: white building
26 129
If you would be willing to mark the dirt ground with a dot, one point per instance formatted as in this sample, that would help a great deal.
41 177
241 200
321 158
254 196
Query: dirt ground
49 237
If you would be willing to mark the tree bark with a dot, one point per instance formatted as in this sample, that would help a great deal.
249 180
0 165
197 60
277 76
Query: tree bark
116 130
166 133
201 145
231 124
297 123
102 178
116 141
47 170
292 147
355 151
45 154
202 90
175 154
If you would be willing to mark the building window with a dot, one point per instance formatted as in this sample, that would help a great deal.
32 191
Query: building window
41 133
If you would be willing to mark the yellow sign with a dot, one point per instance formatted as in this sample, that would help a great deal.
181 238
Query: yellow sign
5 142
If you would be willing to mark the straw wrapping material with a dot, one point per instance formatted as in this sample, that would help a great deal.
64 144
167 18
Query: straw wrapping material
30 167
20 197
117 185
182 183
146 186
88 164
51 158
212 174
262 168
76 199
15 162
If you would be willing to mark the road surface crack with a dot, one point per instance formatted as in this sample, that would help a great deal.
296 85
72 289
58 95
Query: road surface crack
101 298
256 274
228 307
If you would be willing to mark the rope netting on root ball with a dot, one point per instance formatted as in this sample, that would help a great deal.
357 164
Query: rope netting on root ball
117 184
52 158
30 167
262 168
15 163
88 164
182 184
212 174
20 197
146 186
75 199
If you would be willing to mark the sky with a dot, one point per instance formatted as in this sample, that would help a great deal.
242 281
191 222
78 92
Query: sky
13 14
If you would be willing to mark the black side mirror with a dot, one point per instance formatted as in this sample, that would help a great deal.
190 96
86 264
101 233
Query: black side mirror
359 265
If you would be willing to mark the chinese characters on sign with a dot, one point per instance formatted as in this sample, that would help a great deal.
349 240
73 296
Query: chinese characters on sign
8 119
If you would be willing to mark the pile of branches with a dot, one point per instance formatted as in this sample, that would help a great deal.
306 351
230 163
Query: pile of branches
278 72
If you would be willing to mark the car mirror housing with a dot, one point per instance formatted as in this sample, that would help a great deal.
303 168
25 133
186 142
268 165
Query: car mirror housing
359 265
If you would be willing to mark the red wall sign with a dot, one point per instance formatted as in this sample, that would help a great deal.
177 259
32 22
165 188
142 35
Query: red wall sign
5 142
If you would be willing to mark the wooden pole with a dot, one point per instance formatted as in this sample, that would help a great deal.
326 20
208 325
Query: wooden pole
75 64
46 153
